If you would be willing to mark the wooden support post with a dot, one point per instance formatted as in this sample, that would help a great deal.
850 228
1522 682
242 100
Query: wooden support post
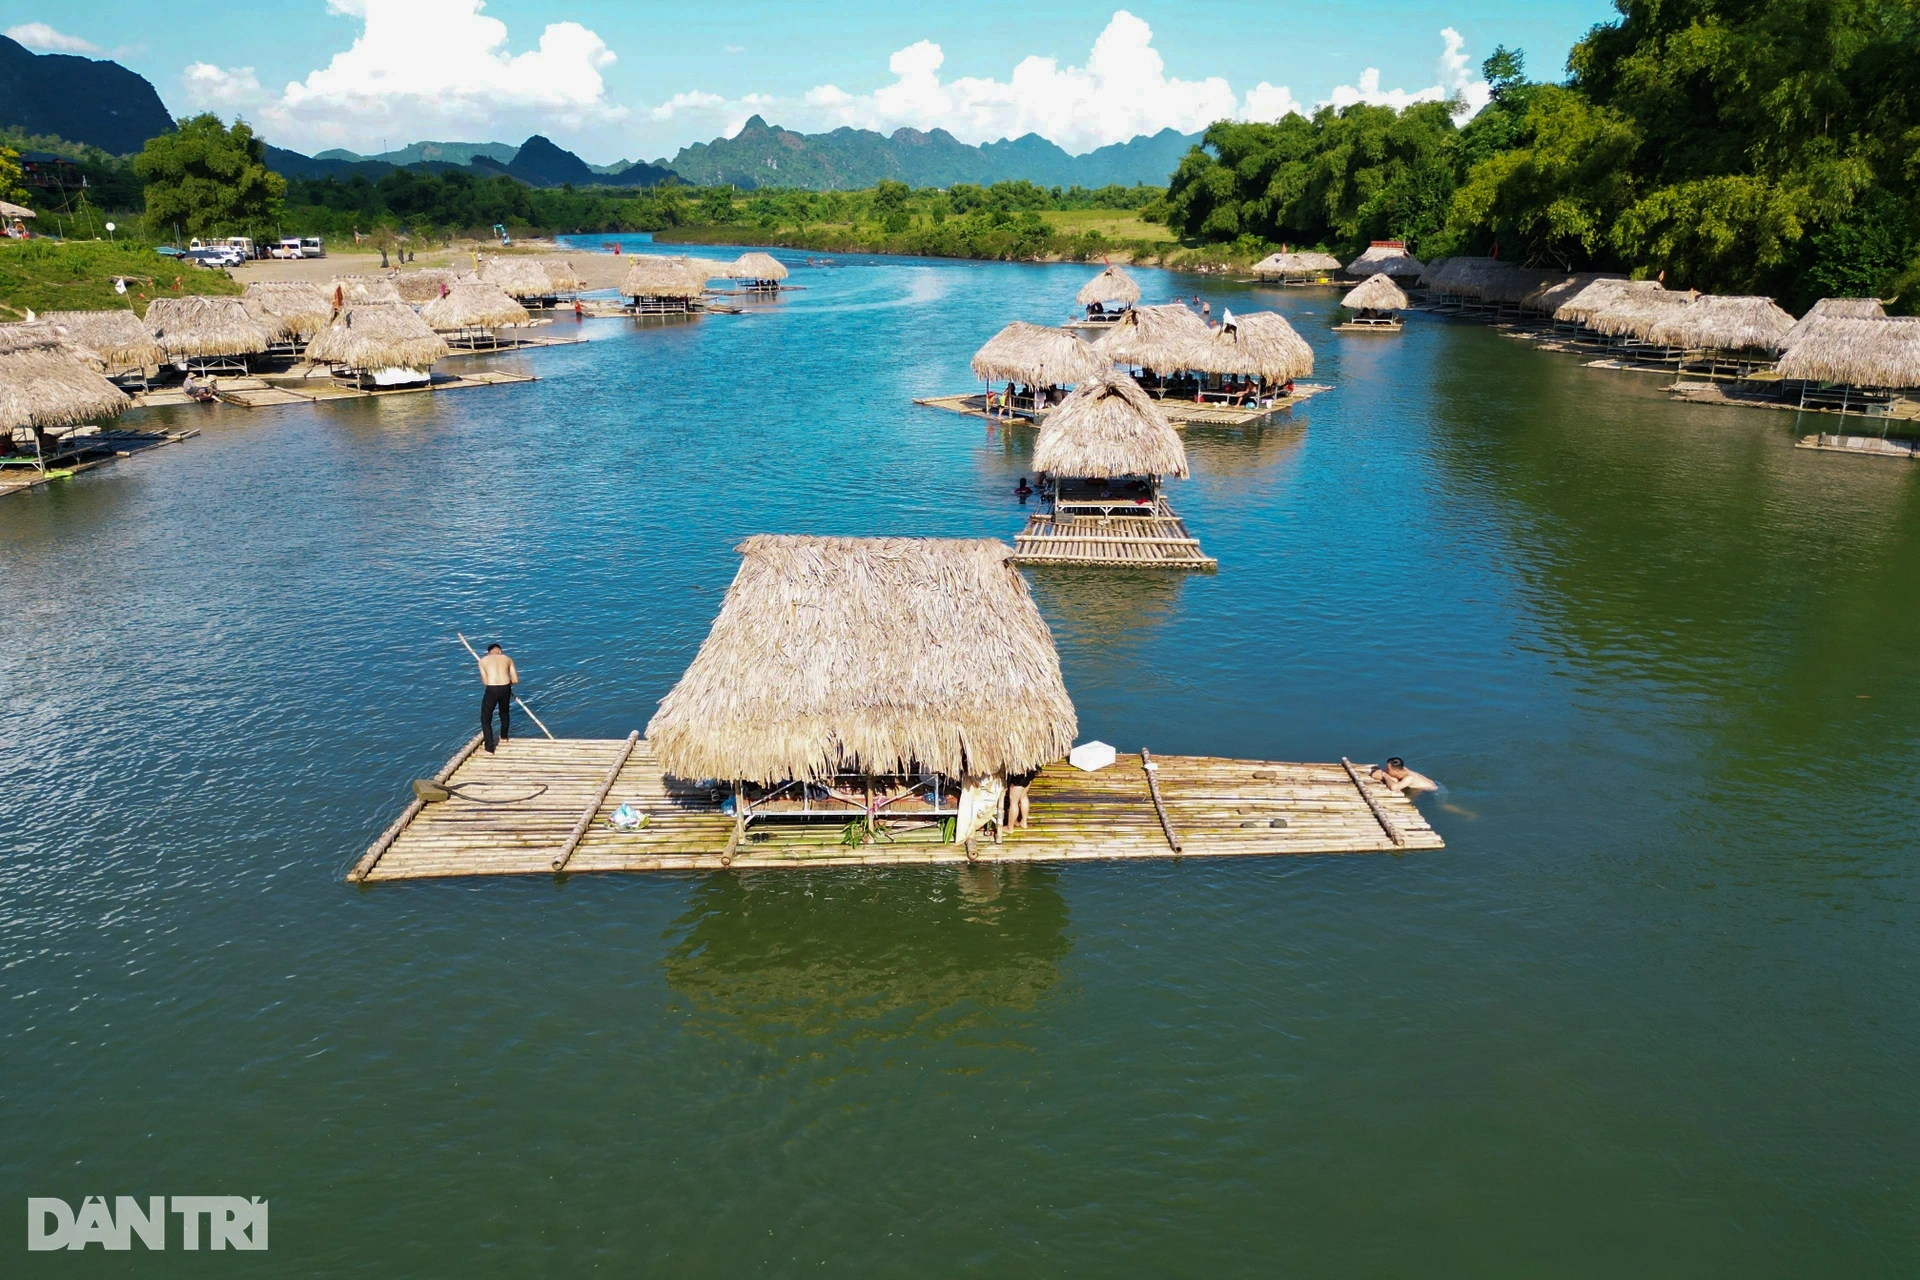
1380 815
371 858
1153 789
579 831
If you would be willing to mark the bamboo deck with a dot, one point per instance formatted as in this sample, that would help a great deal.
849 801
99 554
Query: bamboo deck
261 393
1158 541
1179 412
94 451
1862 446
1204 807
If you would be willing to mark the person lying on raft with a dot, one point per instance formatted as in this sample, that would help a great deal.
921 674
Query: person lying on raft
1402 779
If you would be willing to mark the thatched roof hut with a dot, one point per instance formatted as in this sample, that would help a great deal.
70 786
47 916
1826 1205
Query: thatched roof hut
1835 309
1633 312
117 339
1599 293
868 655
289 308
757 266
1157 338
1278 265
520 278
1515 285
426 284
1859 352
1260 344
560 274
47 383
205 328
1551 295
1469 278
1376 293
472 304
1038 356
377 335
363 289
1386 258
650 276
1716 323
1109 427
1111 286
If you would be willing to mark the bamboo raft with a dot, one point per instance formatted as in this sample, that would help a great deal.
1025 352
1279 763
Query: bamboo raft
1139 807
1861 446
261 393
1158 541
84 455
1179 412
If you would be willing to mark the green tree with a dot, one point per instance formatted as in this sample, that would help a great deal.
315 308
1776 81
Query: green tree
11 186
210 179
716 205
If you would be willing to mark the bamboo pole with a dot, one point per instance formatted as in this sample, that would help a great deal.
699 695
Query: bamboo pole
599 798
1386 823
1153 789
376 850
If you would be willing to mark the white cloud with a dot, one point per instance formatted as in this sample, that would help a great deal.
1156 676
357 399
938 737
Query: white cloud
211 87
1457 81
42 38
423 68
735 48
1266 103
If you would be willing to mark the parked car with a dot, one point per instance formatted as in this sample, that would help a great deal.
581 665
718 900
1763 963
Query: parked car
215 257
312 247
168 251
289 248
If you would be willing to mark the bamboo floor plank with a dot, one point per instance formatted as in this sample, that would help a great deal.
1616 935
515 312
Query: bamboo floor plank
1220 807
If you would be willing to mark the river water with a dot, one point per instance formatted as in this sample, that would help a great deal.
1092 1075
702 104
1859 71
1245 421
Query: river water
1652 1011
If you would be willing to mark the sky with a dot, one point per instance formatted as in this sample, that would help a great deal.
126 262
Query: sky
612 80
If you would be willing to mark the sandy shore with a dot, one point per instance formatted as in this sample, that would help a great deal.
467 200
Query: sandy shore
596 270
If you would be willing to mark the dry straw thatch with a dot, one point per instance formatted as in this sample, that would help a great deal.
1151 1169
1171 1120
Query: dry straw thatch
649 276
1375 293
1276 265
1716 323
1555 294
377 335
425 284
1858 352
354 289
205 328
874 655
1835 309
1598 294
1109 427
1111 286
119 340
1157 338
757 266
289 308
48 383
472 304
520 278
1386 258
560 274
1633 312
1038 356
1260 344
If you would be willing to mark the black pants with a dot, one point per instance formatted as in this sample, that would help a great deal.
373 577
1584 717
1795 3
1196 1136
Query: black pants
501 696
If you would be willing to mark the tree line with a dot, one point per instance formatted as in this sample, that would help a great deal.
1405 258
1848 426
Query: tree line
1733 146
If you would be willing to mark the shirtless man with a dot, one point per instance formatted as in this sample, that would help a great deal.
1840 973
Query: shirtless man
497 673
1019 807
1402 779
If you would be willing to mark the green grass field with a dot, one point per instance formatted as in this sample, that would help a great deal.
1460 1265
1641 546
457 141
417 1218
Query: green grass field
1114 224
50 275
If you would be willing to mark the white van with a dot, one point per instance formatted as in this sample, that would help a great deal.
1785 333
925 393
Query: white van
312 247
288 248
243 245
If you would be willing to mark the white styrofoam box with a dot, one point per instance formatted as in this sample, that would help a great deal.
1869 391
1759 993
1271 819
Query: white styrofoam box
1089 756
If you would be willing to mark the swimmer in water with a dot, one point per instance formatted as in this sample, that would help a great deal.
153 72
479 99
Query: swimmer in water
1023 490
1402 779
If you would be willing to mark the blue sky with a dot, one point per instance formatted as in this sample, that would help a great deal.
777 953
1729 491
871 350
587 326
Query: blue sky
613 80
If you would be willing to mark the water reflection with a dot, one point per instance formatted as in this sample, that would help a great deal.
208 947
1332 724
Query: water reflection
1229 459
880 955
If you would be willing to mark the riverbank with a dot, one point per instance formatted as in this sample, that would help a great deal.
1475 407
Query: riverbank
1015 242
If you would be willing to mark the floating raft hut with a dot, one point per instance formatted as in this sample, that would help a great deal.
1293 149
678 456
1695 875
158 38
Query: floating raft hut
428 283
119 340
1386 258
352 289
812 730
1101 457
290 311
1848 364
206 335
1310 268
526 280
1376 304
1041 359
662 286
382 344
52 395
757 272
472 314
1106 297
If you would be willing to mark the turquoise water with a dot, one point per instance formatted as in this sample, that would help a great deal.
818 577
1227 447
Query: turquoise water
1651 1012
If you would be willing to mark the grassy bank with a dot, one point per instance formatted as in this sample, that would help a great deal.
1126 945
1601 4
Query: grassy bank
50 275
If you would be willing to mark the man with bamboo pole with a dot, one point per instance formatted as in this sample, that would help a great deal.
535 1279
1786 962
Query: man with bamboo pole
498 675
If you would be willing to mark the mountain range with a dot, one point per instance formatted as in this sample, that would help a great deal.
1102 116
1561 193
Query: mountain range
103 104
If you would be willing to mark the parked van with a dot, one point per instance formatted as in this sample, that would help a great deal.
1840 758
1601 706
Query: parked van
312 247
288 248
243 245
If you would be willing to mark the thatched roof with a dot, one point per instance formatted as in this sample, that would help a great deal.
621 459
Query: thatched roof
1715 323
1835 309
650 276
1157 338
1260 344
1599 293
283 307
117 339
1553 294
1472 278
363 289
1111 285
757 266
377 335
1376 293
1109 427
1513 286
560 274
47 382
518 277
868 655
424 285
1633 312
472 304
1386 258
205 327
1037 355
1275 265
1860 352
